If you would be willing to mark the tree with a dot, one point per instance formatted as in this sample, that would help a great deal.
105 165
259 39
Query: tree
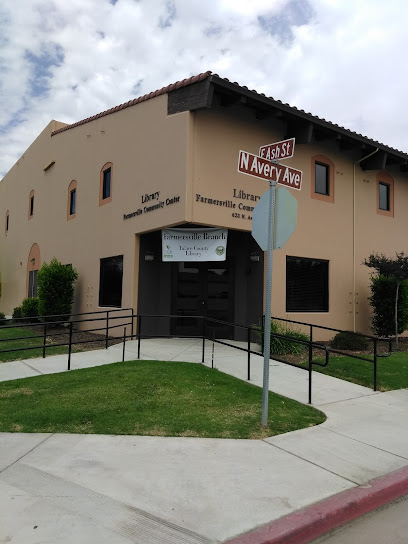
393 269
55 283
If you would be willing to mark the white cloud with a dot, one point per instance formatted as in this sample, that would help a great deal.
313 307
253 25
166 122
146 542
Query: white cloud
339 60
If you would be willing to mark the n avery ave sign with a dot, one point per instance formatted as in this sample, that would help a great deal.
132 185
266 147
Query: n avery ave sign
266 169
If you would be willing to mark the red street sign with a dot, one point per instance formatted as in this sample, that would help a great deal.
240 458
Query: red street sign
264 169
278 150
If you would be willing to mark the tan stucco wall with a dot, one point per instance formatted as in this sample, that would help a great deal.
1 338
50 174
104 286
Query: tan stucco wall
148 151
324 230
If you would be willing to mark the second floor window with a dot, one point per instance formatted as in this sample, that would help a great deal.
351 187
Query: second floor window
384 196
106 184
31 205
322 183
322 179
72 202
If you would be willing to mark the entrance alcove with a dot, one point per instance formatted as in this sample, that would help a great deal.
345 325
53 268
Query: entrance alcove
230 290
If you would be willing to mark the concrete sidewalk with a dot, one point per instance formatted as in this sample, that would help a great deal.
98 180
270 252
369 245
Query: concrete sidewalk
126 489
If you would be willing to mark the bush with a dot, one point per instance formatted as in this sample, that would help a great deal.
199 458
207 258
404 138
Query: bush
17 313
29 309
382 300
283 346
352 341
55 283
2 319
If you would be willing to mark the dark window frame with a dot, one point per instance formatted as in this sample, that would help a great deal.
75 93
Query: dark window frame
111 282
32 284
106 184
307 285
385 180
318 181
328 195
387 205
72 201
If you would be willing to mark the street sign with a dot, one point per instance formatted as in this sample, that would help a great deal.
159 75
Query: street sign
284 219
265 169
273 172
278 150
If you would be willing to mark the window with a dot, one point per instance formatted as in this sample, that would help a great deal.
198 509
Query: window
71 206
7 220
322 178
32 283
385 194
72 202
307 285
322 184
31 205
110 283
106 184
105 187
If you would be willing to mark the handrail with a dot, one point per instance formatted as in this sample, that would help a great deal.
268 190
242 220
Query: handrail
129 320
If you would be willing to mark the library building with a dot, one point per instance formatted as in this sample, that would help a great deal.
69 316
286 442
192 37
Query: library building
152 203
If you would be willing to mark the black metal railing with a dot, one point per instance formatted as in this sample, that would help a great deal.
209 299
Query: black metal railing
107 320
53 324
310 344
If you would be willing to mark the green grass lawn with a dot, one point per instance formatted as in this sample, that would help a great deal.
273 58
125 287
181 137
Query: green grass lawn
392 372
147 398
10 335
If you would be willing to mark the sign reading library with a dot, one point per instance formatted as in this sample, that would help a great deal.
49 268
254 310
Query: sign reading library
180 245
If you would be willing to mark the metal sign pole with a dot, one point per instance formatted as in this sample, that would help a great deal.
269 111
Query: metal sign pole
268 296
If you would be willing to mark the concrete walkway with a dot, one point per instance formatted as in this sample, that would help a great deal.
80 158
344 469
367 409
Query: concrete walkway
127 489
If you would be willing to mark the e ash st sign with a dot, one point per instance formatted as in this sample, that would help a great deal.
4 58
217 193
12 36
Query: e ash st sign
252 165
278 151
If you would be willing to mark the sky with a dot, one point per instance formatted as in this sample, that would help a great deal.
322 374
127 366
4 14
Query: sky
342 60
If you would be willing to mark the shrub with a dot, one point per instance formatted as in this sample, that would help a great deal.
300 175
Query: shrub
283 346
352 341
55 283
17 313
29 309
2 319
382 300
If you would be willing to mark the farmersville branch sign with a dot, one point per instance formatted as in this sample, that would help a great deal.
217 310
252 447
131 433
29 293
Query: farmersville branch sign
256 166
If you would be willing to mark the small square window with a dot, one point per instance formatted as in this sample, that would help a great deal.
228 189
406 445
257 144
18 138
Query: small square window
384 196
106 188
322 180
72 202
307 285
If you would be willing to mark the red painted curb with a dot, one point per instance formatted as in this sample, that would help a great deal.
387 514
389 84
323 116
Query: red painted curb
314 521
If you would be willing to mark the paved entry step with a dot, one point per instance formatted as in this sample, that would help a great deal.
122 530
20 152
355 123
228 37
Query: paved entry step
127 521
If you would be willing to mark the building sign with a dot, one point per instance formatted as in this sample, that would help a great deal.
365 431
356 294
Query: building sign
152 202
194 245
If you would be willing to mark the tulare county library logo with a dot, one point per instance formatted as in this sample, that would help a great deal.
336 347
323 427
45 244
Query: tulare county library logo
220 250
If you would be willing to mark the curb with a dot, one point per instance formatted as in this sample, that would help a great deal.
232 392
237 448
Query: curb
306 525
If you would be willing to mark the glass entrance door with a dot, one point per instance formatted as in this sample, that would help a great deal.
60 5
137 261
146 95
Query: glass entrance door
203 289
